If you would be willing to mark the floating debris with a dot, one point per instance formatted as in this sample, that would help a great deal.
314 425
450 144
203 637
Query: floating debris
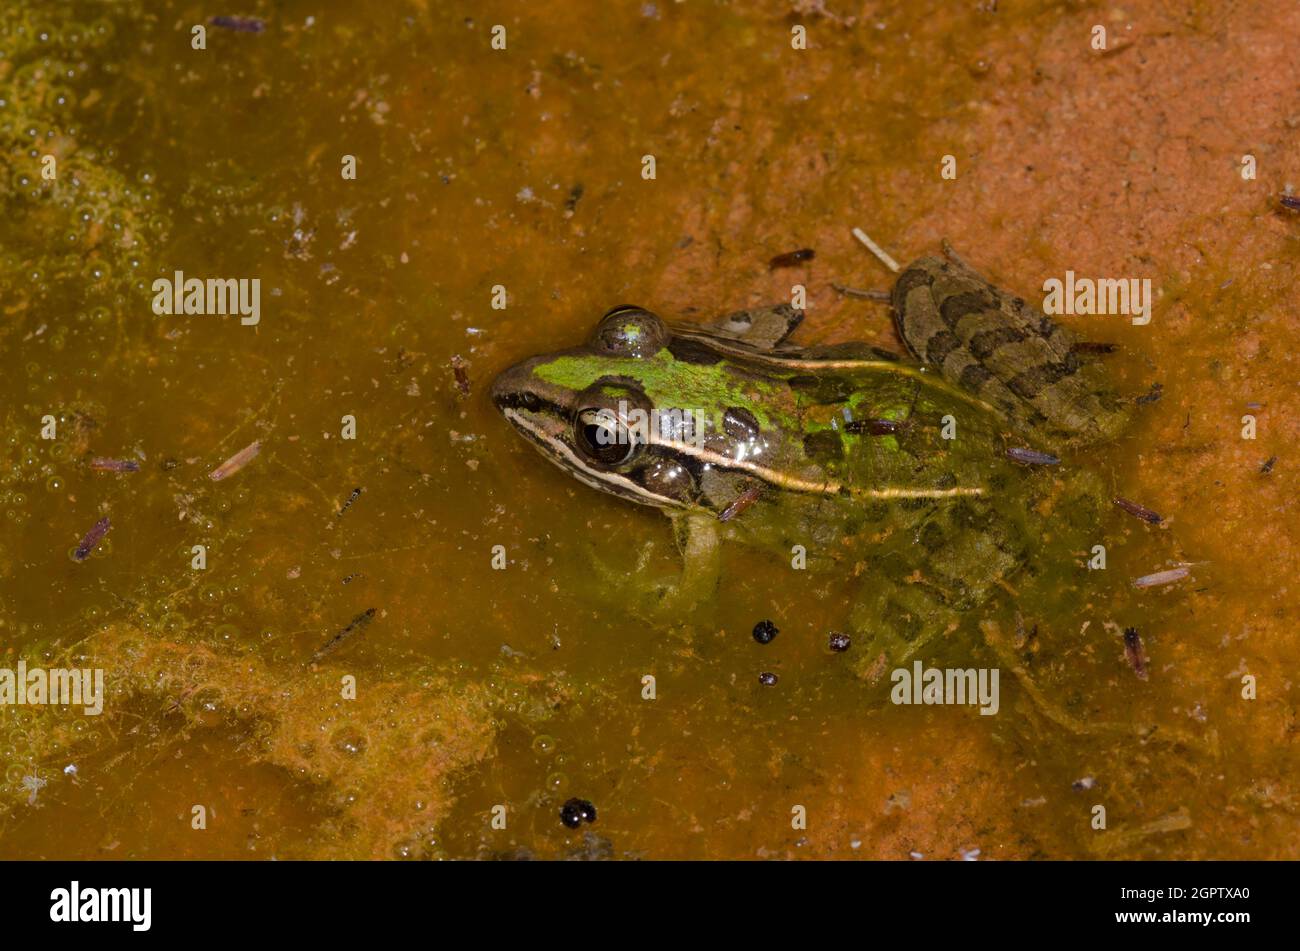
839 642
1267 467
33 785
740 503
460 370
1141 511
576 811
876 249
356 493
102 464
236 462
92 539
358 624
859 292
1133 650
1157 391
1160 577
1084 784
239 24
791 258
1090 346
768 679
1290 201
1032 457
765 632
571 203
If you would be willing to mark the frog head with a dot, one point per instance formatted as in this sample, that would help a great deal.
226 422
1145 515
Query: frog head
647 414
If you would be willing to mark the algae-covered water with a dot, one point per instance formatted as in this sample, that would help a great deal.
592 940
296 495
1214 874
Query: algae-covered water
315 655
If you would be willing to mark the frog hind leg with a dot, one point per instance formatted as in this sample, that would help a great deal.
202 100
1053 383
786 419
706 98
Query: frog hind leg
1006 353
923 591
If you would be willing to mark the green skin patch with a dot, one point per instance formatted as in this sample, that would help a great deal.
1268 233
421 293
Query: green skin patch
670 383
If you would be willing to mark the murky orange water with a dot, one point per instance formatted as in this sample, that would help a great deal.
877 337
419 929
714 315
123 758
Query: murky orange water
477 688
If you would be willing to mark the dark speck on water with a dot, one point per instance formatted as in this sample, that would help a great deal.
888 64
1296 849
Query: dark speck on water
92 539
1157 391
768 679
239 24
791 258
1267 467
358 623
1133 650
356 493
576 811
765 632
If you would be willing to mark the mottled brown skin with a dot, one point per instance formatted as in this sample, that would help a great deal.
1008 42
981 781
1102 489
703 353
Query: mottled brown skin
1012 356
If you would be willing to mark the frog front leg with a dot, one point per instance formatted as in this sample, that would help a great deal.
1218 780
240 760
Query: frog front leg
699 544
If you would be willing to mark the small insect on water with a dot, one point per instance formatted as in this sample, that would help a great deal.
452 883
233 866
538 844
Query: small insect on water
93 538
1140 511
791 259
356 494
1136 654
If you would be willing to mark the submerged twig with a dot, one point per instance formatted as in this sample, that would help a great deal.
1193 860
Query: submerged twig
876 249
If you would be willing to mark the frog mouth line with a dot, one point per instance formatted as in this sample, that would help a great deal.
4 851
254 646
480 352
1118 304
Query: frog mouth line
604 480
616 484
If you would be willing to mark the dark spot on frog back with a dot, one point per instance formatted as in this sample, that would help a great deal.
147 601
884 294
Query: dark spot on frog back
740 423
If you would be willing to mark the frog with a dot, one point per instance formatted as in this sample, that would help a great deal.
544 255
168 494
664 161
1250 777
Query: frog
934 470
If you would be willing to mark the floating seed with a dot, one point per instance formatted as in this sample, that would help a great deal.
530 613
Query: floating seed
765 631
1160 577
236 462
768 679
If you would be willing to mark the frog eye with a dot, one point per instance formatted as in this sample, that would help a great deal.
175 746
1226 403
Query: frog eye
629 331
603 437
